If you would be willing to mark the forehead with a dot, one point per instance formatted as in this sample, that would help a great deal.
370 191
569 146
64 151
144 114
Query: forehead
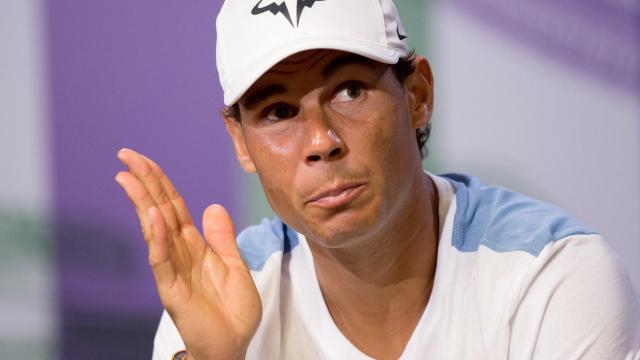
303 60
319 62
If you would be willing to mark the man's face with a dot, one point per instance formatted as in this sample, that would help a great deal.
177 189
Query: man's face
332 138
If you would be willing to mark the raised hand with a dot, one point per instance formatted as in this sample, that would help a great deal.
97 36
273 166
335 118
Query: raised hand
203 283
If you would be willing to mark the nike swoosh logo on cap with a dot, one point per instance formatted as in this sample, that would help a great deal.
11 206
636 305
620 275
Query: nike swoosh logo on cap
400 36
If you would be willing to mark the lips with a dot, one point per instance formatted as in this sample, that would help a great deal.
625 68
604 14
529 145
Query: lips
336 196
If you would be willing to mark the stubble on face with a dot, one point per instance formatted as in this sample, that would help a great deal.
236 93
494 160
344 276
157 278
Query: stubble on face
377 136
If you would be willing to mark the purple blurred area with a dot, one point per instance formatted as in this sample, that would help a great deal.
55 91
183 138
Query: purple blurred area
596 36
137 74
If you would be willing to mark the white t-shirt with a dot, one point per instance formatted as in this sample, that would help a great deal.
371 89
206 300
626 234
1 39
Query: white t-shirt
515 279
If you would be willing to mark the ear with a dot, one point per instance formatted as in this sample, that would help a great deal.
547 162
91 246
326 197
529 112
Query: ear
234 128
419 86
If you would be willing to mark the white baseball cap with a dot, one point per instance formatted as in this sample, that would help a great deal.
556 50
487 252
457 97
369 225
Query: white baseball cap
254 35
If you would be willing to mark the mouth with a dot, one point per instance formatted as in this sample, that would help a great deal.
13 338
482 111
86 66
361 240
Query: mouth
337 196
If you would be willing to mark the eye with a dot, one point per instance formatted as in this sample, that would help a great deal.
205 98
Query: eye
280 111
349 92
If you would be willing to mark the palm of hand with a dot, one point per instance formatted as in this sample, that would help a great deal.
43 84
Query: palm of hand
224 294
203 283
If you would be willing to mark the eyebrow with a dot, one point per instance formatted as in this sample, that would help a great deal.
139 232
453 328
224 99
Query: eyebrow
350 59
262 93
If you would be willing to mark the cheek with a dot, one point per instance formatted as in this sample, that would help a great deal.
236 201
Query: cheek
388 134
389 141
273 143
276 159
402 153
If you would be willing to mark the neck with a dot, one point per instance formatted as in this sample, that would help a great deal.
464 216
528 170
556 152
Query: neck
384 282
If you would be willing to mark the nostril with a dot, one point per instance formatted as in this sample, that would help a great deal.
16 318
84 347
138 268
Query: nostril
334 152
313 158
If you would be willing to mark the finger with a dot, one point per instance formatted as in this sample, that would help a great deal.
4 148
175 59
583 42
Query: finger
159 260
219 234
188 231
179 205
140 168
159 246
139 196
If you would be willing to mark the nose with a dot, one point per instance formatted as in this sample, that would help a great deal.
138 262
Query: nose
324 143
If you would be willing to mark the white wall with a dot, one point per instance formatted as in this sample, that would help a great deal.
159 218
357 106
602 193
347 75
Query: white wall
23 129
27 301
516 118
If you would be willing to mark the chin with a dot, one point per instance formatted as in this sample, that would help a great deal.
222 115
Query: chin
343 230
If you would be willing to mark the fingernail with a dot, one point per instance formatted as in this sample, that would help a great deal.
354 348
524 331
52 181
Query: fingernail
121 151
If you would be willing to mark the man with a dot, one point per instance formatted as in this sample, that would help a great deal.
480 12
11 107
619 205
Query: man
370 257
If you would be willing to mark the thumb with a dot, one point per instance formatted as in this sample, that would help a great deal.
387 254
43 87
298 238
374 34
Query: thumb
219 233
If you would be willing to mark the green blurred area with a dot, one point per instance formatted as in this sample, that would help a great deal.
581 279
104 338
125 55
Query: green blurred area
27 288
412 13
25 349
25 235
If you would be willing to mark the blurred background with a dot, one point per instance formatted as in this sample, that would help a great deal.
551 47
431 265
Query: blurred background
539 96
